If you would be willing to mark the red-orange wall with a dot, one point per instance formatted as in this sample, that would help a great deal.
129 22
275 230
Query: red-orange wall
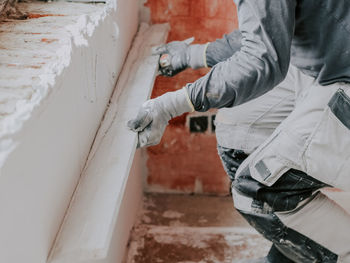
182 158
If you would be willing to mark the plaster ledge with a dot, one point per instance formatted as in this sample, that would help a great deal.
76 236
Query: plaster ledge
88 225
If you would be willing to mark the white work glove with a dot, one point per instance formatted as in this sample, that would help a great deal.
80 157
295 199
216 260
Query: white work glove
154 115
181 55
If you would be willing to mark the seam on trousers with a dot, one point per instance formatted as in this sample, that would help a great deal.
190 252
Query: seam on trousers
252 124
269 110
312 135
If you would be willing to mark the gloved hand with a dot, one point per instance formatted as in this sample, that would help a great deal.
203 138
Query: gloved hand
181 55
154 115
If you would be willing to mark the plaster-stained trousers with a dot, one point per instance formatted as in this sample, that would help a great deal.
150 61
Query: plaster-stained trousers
277 187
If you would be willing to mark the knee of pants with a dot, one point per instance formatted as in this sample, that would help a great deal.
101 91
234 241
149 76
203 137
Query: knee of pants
293 244
258 214
266 224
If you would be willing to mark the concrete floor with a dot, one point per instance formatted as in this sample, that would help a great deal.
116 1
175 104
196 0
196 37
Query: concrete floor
192 229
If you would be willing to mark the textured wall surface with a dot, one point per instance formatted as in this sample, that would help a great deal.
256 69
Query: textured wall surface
58 69
2 5
5 6
184 161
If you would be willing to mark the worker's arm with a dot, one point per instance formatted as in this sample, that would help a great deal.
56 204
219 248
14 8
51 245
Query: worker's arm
261 63
223 48
181 54
154 115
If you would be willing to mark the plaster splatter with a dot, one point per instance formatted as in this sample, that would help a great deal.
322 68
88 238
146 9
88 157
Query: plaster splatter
37 51
172 214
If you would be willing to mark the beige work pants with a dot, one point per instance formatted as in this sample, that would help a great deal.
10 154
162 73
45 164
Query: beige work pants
313 136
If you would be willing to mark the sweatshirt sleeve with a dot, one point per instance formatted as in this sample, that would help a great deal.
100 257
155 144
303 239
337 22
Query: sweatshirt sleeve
223 48
261 63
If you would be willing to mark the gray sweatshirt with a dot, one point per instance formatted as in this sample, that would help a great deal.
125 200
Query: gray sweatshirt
313 35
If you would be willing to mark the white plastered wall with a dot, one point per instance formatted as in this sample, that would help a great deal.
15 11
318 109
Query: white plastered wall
39 176
130 205
105 202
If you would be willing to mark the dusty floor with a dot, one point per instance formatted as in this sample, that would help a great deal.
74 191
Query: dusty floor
192 229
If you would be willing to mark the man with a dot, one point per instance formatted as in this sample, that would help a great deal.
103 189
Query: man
281 82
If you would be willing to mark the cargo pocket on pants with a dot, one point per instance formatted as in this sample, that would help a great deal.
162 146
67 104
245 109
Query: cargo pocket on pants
281 152
328 151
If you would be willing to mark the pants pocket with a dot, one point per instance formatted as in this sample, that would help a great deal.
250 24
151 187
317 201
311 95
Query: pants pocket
327 154
280 153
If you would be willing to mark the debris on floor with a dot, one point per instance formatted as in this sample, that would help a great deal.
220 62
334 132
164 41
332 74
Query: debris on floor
192 229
